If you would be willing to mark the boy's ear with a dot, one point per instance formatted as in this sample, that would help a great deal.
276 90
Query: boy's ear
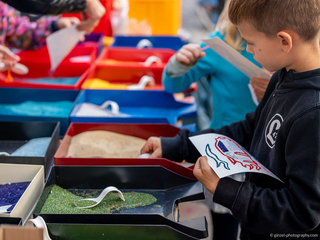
285 40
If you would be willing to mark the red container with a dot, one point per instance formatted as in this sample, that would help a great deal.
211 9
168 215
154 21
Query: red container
125 56
104 26
38 62
136 130
122 75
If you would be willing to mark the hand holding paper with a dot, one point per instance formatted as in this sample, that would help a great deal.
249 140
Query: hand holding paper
60 44
204 173
227 157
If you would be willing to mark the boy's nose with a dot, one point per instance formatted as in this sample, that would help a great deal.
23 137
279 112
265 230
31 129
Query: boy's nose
249 49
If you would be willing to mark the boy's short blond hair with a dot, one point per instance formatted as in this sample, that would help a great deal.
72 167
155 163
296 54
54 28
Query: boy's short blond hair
272 16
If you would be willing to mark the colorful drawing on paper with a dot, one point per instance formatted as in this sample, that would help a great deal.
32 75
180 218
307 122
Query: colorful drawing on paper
216 158
235 153
226 156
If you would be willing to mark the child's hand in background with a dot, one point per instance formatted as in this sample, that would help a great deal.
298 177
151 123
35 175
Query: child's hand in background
189 54
95 10
7 58
65 22
152 146
204 173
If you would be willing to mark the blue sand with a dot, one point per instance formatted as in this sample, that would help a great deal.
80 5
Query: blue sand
11 193
31 108
36 147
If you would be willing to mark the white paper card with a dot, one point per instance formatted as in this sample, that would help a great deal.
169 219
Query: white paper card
60 44
237 60
227 157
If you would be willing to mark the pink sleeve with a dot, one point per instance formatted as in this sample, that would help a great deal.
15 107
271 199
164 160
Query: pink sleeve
17 31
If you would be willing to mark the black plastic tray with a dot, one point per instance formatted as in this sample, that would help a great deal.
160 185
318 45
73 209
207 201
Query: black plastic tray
139 223
14 134
11 220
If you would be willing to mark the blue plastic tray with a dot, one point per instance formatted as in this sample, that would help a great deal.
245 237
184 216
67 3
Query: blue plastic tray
11 100
141 106
171 42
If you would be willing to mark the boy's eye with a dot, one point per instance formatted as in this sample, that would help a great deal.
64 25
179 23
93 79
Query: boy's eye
249 43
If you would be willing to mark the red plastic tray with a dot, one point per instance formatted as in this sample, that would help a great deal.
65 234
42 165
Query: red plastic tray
128 75
104 26
126 56
137 130
38 62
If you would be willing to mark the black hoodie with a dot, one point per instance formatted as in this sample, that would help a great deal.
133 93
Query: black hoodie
284 135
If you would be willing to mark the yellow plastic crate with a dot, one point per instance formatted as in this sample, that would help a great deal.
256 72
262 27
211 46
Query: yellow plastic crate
164 16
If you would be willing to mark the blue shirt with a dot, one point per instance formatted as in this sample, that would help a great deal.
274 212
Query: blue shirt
231 97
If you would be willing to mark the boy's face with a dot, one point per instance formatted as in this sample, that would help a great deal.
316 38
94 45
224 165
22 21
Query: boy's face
264 49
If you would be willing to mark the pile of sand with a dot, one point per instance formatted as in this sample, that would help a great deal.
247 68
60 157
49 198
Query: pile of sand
105 144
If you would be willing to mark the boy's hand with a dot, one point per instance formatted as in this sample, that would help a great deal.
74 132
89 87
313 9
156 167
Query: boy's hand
152 146
259 85
7 58
204 173
189 54
65 22
95 10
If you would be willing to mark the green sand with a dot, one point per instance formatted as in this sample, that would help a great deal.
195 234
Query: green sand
61 201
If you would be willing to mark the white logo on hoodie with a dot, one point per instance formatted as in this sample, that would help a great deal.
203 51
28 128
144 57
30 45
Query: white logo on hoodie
272 129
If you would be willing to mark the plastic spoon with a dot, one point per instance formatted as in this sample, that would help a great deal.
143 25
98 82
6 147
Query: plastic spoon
101 196
150 60
40 223
142 83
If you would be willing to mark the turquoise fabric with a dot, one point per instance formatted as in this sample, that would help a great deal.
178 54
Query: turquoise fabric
231 98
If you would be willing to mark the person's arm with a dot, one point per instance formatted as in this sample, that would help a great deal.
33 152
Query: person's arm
177 76
180 147
294 207
45 7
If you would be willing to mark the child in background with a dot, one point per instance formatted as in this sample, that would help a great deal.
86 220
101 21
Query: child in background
231 97
284 131
18 32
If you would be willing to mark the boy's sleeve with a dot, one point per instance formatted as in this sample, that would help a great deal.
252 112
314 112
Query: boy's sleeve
44 7
181 148
293 208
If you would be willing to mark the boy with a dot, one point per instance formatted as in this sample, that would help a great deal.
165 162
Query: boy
283 133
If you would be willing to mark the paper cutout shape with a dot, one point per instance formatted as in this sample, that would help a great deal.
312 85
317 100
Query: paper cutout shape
60 44
237 60
226 157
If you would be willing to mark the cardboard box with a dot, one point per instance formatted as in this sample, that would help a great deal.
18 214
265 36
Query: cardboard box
9 232
23 173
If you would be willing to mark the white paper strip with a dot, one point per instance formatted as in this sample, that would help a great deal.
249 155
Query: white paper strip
237 60
227 157
60 44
